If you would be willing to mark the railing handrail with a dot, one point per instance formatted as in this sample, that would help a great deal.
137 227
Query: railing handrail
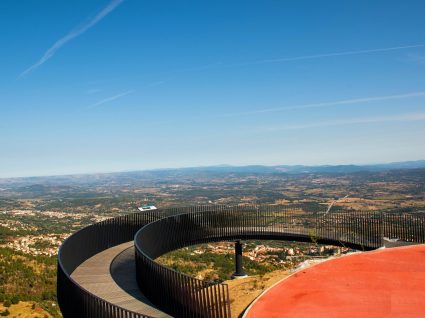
75 300
364 230
65 280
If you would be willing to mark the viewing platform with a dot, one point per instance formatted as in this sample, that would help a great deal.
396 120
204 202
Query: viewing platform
387 283
111 275
109 270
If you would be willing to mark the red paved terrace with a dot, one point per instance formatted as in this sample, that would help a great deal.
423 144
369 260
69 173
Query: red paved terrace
383 283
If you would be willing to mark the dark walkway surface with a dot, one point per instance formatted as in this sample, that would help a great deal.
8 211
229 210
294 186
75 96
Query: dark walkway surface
111 276
386 283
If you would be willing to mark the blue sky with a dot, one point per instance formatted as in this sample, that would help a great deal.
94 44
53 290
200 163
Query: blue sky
92 86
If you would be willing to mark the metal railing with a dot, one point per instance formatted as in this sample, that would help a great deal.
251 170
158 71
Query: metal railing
184 296
74 300
164 230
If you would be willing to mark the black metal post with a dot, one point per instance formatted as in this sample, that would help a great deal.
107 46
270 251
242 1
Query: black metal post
239 272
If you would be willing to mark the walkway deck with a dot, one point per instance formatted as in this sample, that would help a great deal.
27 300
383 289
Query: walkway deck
386 283
111 276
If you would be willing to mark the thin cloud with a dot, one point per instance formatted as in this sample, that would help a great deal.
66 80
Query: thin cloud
205 67
332 103
318 56
72 35
302 57
416 58
110 99
158 83
407 117
93 91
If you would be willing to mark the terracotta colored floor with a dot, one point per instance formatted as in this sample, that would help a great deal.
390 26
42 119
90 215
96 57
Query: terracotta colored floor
384 283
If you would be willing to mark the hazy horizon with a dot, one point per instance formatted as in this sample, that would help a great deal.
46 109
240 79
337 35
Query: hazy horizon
209 166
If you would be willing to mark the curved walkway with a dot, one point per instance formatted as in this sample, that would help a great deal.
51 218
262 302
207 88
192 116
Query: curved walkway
111 275
89 252
382 283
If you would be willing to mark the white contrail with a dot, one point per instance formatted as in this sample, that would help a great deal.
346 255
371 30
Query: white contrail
303 57
110 99
333 103
407 117
71 35
318 56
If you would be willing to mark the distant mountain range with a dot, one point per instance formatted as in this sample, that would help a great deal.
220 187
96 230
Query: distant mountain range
297 169
224 169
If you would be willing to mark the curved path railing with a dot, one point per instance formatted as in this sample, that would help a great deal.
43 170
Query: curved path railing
185 296
76 301
161 231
